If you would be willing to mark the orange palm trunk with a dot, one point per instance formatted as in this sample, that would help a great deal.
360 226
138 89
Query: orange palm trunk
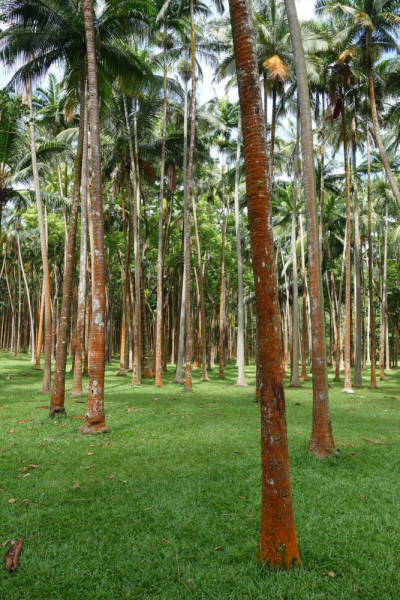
58 389
95 416
278 543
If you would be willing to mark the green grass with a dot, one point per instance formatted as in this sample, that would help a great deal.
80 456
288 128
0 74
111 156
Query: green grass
99 542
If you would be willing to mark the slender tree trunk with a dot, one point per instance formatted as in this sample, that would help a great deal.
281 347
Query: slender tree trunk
46 387
322 198
347 345
378 138
357 268
80 323
321 442
188 370
303 376
241 382
381 318
160 269
202 303
222 300
278 543
295 345
370 265
58 390
385 288
95 415
40 332
28 297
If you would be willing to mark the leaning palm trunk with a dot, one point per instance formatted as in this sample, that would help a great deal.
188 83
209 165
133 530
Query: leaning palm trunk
160 268
95 416
46 386
80 323
188 370
321 442
58 390
241 382
295 335
385 291
278 543
347 345
357 267
378 138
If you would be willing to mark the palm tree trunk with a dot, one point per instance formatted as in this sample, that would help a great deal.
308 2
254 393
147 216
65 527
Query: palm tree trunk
241 382
158 380
347 345
303 376
378 138
80 322
278 543
385 286
40 333
134 216
95 415
188 371
46 387
370 266
357 267
201 294
28 297
222 300
295 328
322 198
58 390
321 442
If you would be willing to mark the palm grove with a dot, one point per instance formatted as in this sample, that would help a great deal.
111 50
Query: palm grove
137 221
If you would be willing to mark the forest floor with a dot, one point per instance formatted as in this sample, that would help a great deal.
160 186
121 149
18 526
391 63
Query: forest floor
169 500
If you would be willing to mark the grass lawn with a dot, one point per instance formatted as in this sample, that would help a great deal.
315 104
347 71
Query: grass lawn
178 477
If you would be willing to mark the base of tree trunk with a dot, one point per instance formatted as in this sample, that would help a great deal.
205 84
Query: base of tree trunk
304 378
93 428
337 379
294 384
348 391
187 388
121 373
321 452
240 384
38 368
85 374
147 374
221 376
57 411
382 378
373 386
78 394
359 386
204 378
178 382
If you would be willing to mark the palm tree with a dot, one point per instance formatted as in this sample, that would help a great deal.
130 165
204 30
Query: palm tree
374 26
95 415
46 387
321 442
278 543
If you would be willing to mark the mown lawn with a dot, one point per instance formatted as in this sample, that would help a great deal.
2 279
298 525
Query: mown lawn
179 477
